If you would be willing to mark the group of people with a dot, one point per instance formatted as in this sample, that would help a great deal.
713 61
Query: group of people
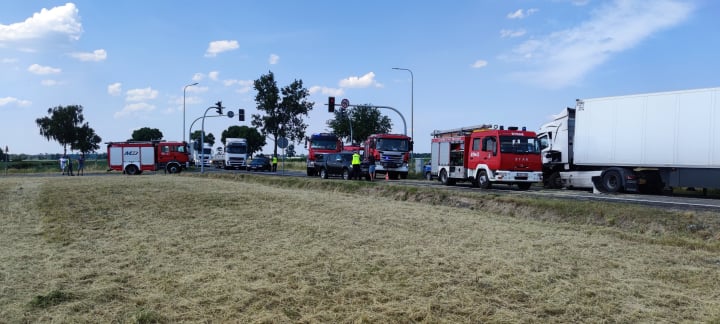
66 165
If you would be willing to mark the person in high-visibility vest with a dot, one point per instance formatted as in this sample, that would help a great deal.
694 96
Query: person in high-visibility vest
356 165
274 163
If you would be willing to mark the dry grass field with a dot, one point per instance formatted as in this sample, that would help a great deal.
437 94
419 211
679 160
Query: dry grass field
252 249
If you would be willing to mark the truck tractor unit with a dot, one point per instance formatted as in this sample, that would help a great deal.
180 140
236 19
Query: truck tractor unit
135 157
235 154
637 143
391 153
485 155
317 145
203 156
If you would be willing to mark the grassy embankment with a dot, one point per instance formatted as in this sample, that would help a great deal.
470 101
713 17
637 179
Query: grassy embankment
248 248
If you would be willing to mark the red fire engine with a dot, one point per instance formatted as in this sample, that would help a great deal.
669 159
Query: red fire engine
391 152
135 157
486 154
318 144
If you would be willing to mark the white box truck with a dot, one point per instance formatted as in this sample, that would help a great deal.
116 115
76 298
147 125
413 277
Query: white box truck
235 153
636 143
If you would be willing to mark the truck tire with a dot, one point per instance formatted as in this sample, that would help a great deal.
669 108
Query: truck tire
524 185
173 168
346 174
131 169
444 179
554 181
482 180
323 173
612 181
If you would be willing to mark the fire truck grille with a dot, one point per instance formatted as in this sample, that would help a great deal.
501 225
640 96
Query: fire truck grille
391 161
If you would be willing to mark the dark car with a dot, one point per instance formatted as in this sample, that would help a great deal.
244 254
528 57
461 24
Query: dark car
259 163
340 164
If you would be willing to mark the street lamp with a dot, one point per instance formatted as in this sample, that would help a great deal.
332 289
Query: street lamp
412 86
185 88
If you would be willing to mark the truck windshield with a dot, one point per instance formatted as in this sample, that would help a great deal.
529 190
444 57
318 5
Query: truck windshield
519 144
392 144
324 144
207 151
236 149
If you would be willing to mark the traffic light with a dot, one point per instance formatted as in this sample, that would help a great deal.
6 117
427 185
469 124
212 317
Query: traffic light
241 114
219 107
331 104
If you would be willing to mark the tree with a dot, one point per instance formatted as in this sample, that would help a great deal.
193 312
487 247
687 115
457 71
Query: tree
61 125
365 119
209 138
87 141
283 117
255 140
147 134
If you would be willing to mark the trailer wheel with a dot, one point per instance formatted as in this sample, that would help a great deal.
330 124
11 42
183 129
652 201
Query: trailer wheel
131 169
323 173
483 181
612 181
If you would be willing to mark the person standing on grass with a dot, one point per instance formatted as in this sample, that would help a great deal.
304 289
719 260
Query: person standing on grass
81 165
274 163
63 162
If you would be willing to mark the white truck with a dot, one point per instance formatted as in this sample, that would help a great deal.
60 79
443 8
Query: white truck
235 154
203 156
637 143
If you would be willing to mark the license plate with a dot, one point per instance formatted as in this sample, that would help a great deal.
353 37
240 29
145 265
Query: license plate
521 175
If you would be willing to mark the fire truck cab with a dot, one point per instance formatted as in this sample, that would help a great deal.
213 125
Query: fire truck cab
485 155
134 157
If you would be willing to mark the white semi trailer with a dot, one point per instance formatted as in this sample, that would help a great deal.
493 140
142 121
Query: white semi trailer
636 143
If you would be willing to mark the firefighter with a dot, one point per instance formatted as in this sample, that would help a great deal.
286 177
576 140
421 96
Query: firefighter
274 163
356 165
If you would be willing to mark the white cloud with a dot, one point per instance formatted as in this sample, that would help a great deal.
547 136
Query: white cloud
10 100
218 47
509 33
141 94
115 89
364 81
9 60
333 92
197 77
521 14
43 70
479 64
244 85
214 75
49 83
274 59
62 20
134 109
95 56
564 57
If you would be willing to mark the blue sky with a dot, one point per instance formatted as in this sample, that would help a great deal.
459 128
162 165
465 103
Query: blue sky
513 62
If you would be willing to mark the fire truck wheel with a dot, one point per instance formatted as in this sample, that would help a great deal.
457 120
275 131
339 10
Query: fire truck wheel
131 169
173 168
483 181
444 178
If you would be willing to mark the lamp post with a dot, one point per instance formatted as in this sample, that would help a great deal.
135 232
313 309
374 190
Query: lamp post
412 89
185 88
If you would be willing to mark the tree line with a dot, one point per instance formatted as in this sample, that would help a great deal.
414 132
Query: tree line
281 114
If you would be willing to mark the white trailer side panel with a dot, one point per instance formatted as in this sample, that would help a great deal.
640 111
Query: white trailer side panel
667 129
